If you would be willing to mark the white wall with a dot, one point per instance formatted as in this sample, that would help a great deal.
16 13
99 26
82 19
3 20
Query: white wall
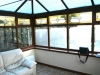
68 61
29 52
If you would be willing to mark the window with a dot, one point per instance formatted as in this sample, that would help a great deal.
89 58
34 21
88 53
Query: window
58 19
41 36
23 21
41 21
80 36
97 38
24 36
7 38
98 16
85 17
7 21
58 36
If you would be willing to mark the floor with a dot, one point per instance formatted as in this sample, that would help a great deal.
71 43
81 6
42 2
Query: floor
47 70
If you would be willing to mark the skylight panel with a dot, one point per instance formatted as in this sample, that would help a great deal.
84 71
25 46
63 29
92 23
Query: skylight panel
53 5
38 8
11 7
26 8
96 2
77 3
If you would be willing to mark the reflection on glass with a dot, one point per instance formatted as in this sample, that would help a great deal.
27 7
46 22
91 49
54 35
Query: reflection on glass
96 2
77 3
26 8
58 19
80 36
58 37
53 5
41 21
7 21
98 16
22 21
10 7
41 36
85 17
7 38
97 38
38 8
24 36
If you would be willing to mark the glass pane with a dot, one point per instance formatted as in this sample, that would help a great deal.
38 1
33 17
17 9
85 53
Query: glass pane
58 37
98 16
26 8
41 21
97 38
22 21
38 8
53 5
80 36
96 2
7 21
41 36
85 17
7 1
24 36
7 38
58 19
77 3
11 7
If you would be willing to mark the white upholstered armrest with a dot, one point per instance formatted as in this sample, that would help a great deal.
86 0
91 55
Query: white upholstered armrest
29 63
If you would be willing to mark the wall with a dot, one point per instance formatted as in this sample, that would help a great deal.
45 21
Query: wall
29 52
68 61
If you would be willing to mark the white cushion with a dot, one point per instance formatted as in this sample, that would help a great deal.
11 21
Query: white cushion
31 57
28 63
2 70
22 71
15 65
12 56
7 73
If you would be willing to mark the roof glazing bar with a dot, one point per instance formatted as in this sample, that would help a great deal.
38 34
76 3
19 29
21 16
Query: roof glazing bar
64 4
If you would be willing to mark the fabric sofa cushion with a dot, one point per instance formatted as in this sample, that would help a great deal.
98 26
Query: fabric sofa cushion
7 73
28 63
22 71
15 65
2 70
12 56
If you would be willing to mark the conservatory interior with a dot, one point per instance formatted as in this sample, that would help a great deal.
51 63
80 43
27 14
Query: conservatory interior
53 31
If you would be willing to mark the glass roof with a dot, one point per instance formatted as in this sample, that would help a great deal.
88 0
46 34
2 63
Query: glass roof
26 8
77 3
10 7
38 8
96 2
50 5
53 5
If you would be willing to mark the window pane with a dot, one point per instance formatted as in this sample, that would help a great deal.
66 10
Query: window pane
97 38
22 21
41 21
98 16
10 7
7 21
41 36
53 5
58 19
40 8
96 2
85 17
7 38
58 37
26 8
80 36
24 36
78 3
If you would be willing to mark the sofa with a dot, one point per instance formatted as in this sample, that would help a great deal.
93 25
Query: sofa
13 62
